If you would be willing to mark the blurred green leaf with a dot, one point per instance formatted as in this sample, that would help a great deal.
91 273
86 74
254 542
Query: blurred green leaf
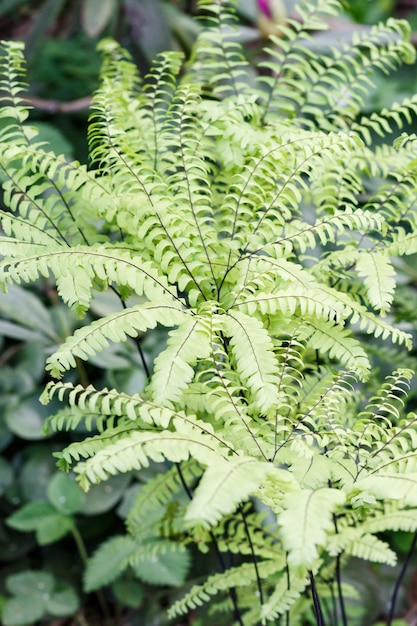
25 308
6 6
26 419
128 592
53 529
37 472
64 601
6 475
149 26
22 610
58 143
16 331
167 567
103 497
31 516
108 562
30 582
96 14
65 494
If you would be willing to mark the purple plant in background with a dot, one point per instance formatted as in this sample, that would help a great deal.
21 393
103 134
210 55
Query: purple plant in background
264 7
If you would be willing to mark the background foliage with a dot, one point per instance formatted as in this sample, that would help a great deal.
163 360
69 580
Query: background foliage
34 322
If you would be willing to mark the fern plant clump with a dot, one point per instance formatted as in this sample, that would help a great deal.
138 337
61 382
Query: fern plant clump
258 224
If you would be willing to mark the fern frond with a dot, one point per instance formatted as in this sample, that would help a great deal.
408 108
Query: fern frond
137 449
300 532
217 59
117 327
227 483
242 575
289 59
173 369
248 336
13 85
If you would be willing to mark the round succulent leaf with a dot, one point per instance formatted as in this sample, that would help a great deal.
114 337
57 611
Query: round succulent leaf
30 582
65 494
22 610
63 601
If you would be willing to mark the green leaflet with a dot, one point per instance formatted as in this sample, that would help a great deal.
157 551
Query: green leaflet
226 484
301 533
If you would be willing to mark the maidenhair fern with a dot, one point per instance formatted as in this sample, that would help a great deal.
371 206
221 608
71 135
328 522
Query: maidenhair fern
230 210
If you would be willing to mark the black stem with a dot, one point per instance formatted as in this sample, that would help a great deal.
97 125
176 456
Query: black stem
287 614
340 592
316 602
232 592
254 559
136 340
400 580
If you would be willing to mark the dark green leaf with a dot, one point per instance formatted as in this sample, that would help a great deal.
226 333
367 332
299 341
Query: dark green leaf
128 592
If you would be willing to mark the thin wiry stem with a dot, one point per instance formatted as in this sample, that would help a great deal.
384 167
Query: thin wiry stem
232 592
400 579
254 559
316 602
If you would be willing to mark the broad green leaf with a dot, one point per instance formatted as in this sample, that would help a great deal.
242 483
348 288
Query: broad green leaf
22 610
128 592
63 601
65 494
108 561
37 472
31 516
165 563
25 308
53 529
26 419
29 582
42 517
103 497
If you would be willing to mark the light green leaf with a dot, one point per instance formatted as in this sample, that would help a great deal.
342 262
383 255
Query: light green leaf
307 519
223 486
